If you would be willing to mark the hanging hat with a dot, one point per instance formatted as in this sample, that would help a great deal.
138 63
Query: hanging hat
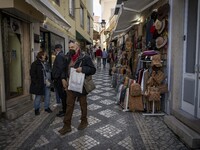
160 25
156 61
162 12
161 41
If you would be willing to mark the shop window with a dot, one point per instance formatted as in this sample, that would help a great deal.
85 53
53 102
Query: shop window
72 8
82 16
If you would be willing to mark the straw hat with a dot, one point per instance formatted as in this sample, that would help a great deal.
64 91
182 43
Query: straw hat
161 41
160 25
156 61
163 11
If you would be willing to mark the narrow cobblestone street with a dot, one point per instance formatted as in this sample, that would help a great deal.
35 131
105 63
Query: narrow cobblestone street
109 127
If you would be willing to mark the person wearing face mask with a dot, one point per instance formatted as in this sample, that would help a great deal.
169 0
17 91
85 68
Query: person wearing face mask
40 82
82 63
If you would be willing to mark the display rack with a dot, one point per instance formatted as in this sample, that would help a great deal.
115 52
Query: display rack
153 112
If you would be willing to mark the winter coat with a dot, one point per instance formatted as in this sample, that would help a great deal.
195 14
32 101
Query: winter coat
37 78
88 68
58 71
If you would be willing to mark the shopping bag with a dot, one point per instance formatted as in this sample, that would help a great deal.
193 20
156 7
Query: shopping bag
76 81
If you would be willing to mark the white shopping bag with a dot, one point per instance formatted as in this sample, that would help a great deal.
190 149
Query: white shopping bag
76 81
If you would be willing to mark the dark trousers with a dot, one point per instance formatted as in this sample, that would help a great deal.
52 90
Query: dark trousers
71 98
61 93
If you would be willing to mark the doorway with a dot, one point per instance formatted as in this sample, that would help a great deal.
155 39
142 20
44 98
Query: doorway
191 68
11 37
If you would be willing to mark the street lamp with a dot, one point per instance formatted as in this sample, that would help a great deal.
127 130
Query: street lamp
103 23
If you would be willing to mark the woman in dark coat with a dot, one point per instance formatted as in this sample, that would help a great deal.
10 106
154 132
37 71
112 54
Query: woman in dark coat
39 73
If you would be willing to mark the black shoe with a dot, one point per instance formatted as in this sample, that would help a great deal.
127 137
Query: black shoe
48 110
37 112
60 114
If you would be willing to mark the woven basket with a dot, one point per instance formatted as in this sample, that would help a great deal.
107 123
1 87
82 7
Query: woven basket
135 103
135 89
163 88
154 94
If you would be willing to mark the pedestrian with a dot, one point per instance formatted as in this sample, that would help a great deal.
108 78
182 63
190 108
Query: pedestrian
104 57
40 82
83 63
58 73
99 56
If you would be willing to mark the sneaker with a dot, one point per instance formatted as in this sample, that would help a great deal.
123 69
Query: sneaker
48 110
37 112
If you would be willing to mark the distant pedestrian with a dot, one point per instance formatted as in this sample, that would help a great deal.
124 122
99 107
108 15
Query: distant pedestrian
99 56
40 82
104 57
58 73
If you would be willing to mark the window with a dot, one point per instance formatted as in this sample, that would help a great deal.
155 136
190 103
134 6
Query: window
82 16
88 24
57 2
71 7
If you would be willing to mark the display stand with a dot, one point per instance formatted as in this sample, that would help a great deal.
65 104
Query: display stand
126 101
153 112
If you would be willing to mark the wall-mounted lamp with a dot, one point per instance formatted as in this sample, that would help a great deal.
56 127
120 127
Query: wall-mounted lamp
103 23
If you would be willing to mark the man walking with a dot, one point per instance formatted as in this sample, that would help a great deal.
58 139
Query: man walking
104 57
58 73
82 63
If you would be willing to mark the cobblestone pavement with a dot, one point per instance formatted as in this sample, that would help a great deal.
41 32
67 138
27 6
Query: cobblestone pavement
110 128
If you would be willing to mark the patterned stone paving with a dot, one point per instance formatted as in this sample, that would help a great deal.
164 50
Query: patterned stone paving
109 127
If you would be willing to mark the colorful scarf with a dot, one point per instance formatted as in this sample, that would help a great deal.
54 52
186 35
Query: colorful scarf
74 57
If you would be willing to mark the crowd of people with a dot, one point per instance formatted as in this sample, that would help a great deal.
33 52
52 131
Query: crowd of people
44 78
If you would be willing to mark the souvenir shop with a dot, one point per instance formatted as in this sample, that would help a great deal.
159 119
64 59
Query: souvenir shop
139 75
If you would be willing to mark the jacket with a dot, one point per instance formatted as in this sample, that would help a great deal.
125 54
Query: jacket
58 71
37 78
88 68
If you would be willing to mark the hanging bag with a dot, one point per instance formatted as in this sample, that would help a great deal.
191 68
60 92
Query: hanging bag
89 84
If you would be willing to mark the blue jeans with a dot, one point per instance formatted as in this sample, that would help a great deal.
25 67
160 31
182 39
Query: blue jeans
58 101
46 99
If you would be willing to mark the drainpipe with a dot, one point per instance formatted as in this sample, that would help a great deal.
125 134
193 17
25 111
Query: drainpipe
2 83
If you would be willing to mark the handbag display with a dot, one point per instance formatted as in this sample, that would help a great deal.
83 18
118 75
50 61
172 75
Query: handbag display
135 89
89 84
163 88
154 94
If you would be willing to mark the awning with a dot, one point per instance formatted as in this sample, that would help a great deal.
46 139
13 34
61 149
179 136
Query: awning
129 14
82 38
45 7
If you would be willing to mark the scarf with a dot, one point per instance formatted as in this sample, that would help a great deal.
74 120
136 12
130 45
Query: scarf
74 57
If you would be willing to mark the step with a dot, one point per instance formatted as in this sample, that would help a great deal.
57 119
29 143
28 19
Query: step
187 135
18 107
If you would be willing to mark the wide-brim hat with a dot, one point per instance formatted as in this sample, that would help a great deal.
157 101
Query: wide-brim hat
156 61
163 11
161 41
160 25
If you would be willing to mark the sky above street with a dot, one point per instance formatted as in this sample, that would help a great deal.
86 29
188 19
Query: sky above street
96 8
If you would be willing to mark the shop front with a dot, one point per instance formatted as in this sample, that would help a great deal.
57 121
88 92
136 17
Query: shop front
170 29
23 32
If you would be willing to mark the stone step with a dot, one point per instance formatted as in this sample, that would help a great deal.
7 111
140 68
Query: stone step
18 107
187 135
